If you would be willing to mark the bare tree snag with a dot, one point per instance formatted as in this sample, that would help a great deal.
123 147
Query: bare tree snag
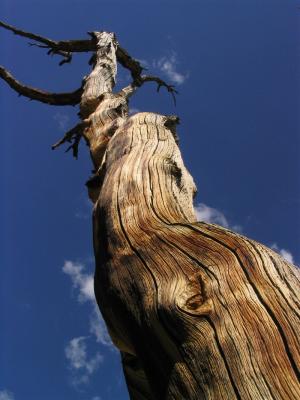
197 311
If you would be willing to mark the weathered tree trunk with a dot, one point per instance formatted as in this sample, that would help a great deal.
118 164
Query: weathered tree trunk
197 311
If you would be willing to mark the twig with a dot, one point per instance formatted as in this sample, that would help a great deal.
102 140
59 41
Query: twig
74 146
66 48
68 45
160 83
75 46
72 136
67 56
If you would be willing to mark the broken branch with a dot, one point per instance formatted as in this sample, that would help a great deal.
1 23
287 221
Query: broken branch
68 45
129 63
73 135
160 83
140 80
67 56
73 46
56 99
65 48
74 146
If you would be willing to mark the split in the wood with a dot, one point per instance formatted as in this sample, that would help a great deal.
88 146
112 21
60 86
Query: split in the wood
171 122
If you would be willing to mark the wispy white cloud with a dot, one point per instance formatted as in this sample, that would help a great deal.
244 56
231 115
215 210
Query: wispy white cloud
82 365
80 280
169 66
210 215
6 395
62 120
144 63
213 216
84 284
286 254
84 210
98 328
133 111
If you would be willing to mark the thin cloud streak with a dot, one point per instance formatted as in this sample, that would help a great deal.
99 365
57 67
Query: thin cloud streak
81 281
286 254
62 120
98 328
6 395
210 215
168 65
133 111
82 365
84 284
213 216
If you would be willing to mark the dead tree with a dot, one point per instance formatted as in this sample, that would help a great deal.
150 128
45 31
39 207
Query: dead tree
197 311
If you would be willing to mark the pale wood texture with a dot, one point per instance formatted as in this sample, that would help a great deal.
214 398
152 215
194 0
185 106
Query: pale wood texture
207 313
197 311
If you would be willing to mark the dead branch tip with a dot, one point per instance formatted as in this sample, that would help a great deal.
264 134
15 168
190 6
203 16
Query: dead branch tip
73 136
56 99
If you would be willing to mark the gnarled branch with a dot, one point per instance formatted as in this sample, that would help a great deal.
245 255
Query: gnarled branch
73 136
67 55
55 99
65 47
160 83
141 79
130 63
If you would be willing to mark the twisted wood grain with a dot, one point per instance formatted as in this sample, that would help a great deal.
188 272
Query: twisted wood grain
197 311
204 312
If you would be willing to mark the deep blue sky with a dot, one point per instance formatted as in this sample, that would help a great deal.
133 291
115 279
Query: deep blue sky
237 68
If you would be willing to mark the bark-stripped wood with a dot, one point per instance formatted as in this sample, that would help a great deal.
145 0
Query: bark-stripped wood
197 311
206 312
